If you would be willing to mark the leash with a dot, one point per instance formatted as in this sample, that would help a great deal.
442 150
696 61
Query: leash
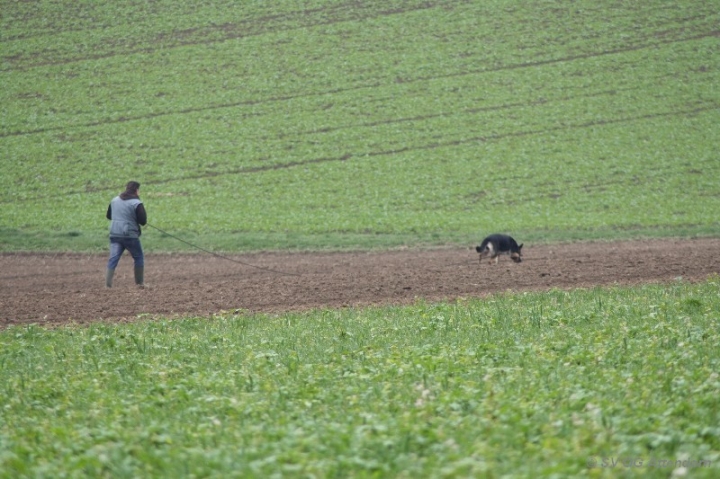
221 256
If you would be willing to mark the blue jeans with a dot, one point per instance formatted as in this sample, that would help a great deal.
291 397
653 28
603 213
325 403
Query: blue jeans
118 247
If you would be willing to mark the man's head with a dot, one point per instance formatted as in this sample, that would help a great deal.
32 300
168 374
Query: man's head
132 187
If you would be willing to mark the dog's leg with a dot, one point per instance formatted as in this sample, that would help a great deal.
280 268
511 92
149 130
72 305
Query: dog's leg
484 254
490 251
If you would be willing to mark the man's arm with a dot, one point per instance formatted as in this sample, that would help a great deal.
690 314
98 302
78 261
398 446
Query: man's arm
141 214
108 215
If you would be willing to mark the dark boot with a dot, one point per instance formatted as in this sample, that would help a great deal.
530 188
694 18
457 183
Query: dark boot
109 273
140 276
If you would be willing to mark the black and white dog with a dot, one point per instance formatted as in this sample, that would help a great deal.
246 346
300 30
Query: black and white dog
497 244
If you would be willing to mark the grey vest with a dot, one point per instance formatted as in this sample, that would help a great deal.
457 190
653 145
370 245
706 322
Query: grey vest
124 220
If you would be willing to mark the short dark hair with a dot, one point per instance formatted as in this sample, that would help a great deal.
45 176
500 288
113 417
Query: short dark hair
132 186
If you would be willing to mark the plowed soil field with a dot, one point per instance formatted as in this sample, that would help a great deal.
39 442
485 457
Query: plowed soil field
57 289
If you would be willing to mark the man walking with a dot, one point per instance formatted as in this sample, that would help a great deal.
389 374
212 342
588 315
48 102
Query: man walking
126 213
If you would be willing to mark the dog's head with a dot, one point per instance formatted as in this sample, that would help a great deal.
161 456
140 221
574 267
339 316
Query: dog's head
517 255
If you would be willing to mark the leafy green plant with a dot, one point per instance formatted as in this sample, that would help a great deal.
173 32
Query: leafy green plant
563 383
377 125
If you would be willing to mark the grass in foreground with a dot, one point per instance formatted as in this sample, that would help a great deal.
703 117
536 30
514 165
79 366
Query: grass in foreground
525 385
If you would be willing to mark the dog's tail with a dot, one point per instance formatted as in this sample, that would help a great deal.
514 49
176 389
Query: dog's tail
485 248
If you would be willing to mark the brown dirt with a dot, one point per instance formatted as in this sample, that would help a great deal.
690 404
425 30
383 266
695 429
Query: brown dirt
56 289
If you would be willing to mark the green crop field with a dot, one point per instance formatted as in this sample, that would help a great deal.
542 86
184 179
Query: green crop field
597 383
326 123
